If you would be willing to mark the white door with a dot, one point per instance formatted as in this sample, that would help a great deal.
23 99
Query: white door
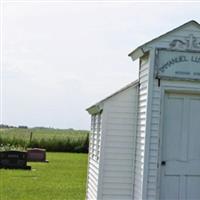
180 158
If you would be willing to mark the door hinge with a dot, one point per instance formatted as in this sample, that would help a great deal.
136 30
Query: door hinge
158 82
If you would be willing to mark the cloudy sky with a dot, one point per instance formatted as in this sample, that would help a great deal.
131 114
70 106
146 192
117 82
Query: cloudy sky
58 58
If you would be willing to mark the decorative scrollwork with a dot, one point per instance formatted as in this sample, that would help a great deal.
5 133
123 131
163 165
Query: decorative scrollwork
190 43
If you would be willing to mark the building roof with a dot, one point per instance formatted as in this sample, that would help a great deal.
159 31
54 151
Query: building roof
139 51
96 108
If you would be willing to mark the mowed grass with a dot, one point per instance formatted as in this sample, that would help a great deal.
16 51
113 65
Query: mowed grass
63 178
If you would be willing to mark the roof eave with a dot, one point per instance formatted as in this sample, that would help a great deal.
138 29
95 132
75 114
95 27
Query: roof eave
98 107
94 109
139 52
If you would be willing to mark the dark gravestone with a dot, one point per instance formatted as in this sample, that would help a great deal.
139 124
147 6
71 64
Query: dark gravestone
36 155
14 160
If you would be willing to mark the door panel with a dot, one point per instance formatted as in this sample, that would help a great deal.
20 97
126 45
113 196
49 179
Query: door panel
172 189
193 187
174 128
181 148
194 126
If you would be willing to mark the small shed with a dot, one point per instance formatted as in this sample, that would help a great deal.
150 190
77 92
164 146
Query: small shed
112 144
145 138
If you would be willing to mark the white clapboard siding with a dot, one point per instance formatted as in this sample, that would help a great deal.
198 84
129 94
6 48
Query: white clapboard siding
112 176
141 126
94 156
119 145
149 109
152 189
92 179
152 174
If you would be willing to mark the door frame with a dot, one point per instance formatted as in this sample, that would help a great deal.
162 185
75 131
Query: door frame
169 89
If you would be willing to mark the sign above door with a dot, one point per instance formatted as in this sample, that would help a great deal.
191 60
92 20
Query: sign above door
172 64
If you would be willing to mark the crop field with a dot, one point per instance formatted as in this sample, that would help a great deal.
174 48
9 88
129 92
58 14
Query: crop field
42 133
55 140
63 178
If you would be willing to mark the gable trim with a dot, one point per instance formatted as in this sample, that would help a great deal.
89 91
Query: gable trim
135 55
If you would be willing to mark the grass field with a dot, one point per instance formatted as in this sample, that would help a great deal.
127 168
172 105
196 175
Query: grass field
63 178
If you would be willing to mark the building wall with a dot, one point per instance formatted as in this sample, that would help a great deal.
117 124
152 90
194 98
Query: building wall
119 145
112 176
151 191
153 186
94 156
141 127
92 180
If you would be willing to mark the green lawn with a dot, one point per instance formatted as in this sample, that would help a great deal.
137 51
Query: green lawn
63 178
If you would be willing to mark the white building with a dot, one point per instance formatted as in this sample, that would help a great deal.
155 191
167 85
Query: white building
145 138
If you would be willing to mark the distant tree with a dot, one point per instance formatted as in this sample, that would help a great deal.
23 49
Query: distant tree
86 144
4 126
25 127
